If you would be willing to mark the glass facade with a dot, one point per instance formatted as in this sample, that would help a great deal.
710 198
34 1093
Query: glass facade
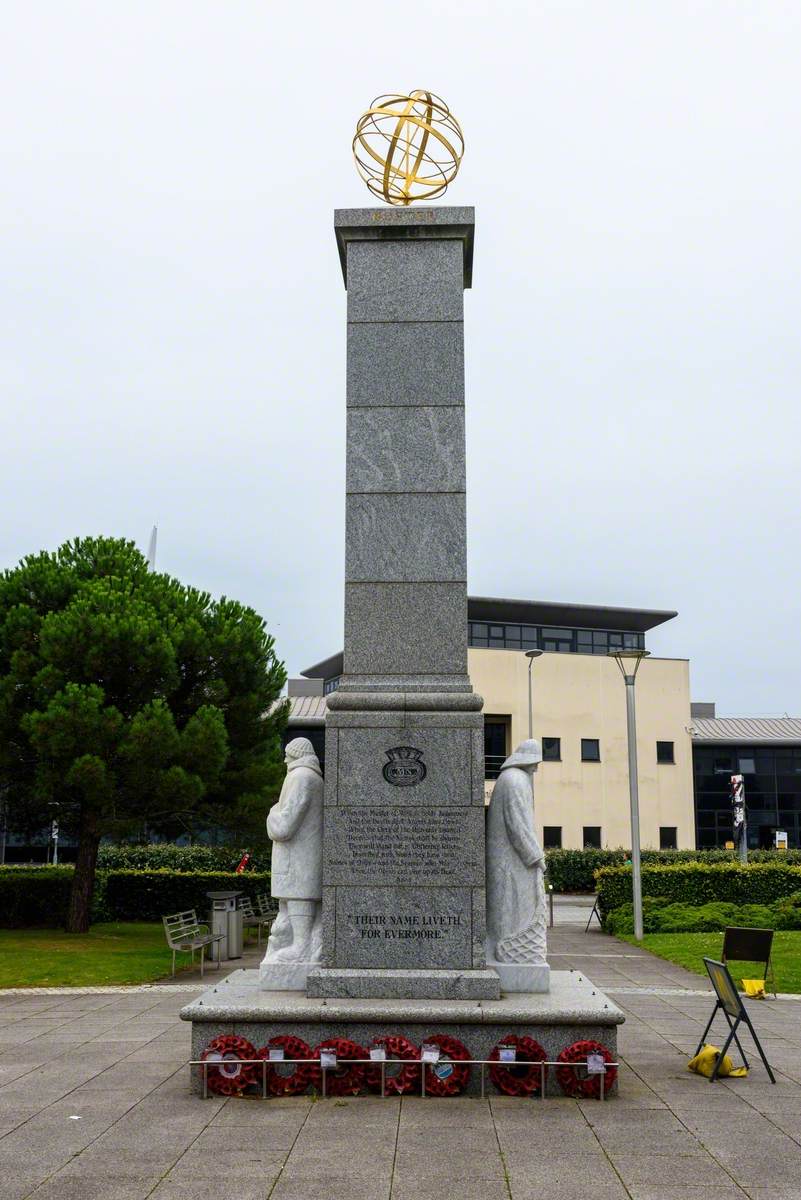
772 776
505 636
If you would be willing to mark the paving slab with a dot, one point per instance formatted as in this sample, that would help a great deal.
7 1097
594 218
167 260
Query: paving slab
118 1060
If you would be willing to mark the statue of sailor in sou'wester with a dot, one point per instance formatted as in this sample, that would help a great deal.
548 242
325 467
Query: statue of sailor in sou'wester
516 910
295 825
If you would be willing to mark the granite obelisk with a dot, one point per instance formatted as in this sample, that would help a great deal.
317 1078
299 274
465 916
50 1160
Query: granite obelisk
403 856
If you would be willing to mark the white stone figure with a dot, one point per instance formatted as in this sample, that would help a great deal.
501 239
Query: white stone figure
516 909
295 825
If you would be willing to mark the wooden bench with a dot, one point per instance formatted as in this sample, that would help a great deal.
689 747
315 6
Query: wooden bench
185 933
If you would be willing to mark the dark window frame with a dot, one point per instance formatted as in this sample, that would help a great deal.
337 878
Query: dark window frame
591 758
591 842
552 837
666 829
514 635
548 756
661 754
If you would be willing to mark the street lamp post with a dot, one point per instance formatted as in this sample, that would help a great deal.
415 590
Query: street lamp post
531 655
629 663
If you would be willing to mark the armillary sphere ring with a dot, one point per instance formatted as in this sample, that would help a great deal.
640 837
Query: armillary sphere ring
408 147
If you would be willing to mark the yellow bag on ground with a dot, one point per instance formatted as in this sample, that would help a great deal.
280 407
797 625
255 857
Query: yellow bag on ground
755 988
704 1064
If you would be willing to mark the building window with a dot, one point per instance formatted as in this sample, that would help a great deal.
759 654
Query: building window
667 837
508 636
664 752
590 751
552 837
552 750
592 837
494 745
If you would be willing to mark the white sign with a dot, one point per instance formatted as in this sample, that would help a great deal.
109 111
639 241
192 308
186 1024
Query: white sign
781 839
508 1054
596 1064
276 1053
328 1060
429 1053
378 1054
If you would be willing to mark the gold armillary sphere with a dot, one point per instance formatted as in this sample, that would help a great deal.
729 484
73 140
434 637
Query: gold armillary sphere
408 148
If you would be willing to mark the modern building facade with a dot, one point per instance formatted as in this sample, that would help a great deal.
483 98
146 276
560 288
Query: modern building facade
578 711
766 751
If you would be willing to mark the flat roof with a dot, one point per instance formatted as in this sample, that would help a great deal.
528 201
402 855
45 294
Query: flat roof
534 612
574 616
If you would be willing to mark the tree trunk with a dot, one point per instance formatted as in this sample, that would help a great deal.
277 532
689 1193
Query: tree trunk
83 881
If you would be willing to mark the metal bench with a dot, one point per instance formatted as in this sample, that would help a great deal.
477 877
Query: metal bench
185 933
267 906
252 919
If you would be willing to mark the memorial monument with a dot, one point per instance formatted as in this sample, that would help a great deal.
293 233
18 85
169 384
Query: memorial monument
403 933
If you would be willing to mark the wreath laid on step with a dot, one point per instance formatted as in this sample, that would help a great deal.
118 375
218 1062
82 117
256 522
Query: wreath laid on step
584 1086
525 1076
398 1081
449 1076
344 1080
227 1077
299 1078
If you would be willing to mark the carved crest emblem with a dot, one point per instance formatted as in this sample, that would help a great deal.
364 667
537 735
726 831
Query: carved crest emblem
405 767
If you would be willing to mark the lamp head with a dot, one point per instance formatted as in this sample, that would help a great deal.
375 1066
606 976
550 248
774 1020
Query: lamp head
629 661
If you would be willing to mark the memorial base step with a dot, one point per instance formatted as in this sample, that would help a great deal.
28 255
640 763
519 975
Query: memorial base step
387 984
573 1010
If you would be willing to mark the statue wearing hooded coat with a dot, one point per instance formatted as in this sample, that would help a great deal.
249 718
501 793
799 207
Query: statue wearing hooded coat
295 825
515 863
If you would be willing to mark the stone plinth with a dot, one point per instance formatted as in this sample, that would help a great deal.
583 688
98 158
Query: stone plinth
573 1010
403 855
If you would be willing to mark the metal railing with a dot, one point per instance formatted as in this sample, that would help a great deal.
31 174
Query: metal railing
493 764
205 1063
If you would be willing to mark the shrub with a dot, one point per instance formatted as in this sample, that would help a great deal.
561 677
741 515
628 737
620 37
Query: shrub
166 855
151 895
788 912
40 895
34 896
692 918
574 870
700 883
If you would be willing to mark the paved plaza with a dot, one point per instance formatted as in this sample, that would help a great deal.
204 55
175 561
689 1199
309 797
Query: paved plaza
94 1102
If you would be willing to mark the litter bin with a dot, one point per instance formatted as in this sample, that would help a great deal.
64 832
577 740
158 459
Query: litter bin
227 920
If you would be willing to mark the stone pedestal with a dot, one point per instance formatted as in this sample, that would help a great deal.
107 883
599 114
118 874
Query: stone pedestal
403 856
572 1011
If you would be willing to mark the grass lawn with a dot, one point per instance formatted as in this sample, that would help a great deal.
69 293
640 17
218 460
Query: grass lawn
687 950
119 952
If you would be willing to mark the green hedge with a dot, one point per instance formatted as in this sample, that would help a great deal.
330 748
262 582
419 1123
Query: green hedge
574 870
151 895
700 883
34 896
166 855
40 895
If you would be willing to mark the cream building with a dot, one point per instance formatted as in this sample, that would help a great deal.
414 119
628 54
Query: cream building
579 713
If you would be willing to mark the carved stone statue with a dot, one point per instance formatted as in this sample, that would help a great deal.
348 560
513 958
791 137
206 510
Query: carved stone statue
516 910
295 825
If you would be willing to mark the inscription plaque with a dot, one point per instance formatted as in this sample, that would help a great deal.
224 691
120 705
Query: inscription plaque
404 926
404 846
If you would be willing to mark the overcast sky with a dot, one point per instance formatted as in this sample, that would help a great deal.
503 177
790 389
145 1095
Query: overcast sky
172 313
